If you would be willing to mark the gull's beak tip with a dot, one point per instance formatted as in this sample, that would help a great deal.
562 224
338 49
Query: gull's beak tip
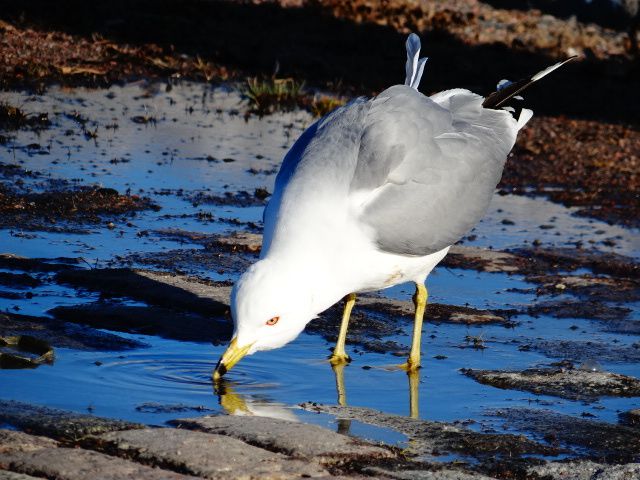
229 358
219 371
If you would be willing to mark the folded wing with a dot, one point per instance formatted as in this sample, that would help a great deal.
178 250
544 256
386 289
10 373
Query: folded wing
427 167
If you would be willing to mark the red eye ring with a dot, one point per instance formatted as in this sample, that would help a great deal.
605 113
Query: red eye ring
272 321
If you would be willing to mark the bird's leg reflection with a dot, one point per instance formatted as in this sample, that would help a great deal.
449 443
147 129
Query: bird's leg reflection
338 370
414 400
339 355
414 383
344 425
231 402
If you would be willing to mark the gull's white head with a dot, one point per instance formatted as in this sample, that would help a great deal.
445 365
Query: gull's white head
270 307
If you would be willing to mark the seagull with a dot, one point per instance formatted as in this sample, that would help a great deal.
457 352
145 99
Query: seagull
371 196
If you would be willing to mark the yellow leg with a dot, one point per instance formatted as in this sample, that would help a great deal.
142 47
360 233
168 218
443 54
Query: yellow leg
420 301
339 353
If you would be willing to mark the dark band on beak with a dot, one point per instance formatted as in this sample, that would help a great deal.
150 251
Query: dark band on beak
230 357
221 368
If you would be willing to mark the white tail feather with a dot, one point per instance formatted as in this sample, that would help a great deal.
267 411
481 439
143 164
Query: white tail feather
525 116
415 65
418 76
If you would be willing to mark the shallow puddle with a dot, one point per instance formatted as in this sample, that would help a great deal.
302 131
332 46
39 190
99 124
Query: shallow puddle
172 146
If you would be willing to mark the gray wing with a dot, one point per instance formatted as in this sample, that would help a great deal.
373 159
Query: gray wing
327 151
427 168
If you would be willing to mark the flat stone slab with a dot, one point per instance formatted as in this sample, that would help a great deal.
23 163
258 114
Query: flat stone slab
571 383
16 262
243 241
147 320
610 442
62 334
202 454
77 464
563 258
58 424
588 286
164 289
5 475
13 441
429 438
581 351
484 260
297 440
436 474
541 261
631 418
434 313
593 310
586 470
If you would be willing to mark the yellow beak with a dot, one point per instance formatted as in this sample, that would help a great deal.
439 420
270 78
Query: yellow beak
229 358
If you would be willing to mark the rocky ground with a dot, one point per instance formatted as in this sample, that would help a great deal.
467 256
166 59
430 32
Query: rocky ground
183 307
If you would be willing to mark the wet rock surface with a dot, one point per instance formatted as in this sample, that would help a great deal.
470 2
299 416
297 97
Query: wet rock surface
63 334
571 383
586 470
631 418
188 261
157 288
4 475
75 464
603 441
242 448
146 320
17 262
583 351
42 205
588 287
484 260
538 262
579 309
201 454
428 438
85 204
24 351
14 441
54 423
435 474
294 439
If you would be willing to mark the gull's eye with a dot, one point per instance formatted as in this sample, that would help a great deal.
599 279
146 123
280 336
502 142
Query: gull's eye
273 321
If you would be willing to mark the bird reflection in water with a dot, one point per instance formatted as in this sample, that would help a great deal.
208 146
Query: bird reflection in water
234 403
414 383
344 424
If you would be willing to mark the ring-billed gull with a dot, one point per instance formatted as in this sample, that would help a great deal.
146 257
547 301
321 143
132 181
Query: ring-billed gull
370 196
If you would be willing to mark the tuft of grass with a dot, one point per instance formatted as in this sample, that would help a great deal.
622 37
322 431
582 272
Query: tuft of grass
273 94
13 118
322 105
269 95
477 342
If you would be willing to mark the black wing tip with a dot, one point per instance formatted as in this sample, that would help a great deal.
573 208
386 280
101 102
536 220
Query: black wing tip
500 97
